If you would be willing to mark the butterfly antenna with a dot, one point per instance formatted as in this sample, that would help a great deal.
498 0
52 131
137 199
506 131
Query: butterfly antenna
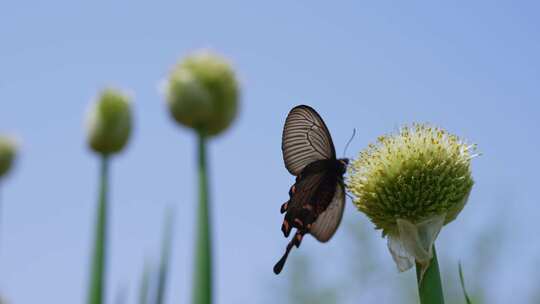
349 142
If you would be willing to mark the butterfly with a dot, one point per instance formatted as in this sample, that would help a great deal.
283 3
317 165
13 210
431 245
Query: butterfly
317 198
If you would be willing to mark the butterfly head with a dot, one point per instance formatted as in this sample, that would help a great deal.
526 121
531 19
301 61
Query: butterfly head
343 163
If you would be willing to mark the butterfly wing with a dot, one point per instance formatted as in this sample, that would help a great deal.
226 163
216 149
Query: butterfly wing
305 139
300 211
302 206
328 221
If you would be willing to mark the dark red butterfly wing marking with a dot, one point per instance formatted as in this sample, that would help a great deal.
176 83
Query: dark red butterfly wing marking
317 198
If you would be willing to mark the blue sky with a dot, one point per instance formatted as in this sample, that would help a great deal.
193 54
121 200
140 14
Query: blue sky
472 68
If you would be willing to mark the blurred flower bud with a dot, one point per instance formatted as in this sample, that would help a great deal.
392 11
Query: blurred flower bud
8 152
202 93
109 122
411 184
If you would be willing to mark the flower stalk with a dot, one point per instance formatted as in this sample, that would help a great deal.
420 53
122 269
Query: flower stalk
202 283
97 279
430 288
109 128
202 94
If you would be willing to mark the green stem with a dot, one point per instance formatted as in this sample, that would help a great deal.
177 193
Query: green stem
430 287
202 288
96 293
165 257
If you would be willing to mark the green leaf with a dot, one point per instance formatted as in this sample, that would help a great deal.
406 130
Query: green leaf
467 299
96 292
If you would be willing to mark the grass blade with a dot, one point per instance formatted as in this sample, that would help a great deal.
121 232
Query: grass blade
96 292
144 288
165 257
467 298
202 283
430 287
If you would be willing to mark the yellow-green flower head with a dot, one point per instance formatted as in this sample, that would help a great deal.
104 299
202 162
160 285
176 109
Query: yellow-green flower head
412 183
8 153
202 93
109 122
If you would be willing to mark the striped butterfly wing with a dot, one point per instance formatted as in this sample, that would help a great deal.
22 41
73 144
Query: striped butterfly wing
305 139
328 221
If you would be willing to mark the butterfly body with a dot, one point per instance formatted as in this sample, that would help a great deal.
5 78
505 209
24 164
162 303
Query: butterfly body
316 200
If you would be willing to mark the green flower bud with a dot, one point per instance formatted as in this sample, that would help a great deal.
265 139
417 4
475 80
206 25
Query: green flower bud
109 122
411 184
8 152
202 93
